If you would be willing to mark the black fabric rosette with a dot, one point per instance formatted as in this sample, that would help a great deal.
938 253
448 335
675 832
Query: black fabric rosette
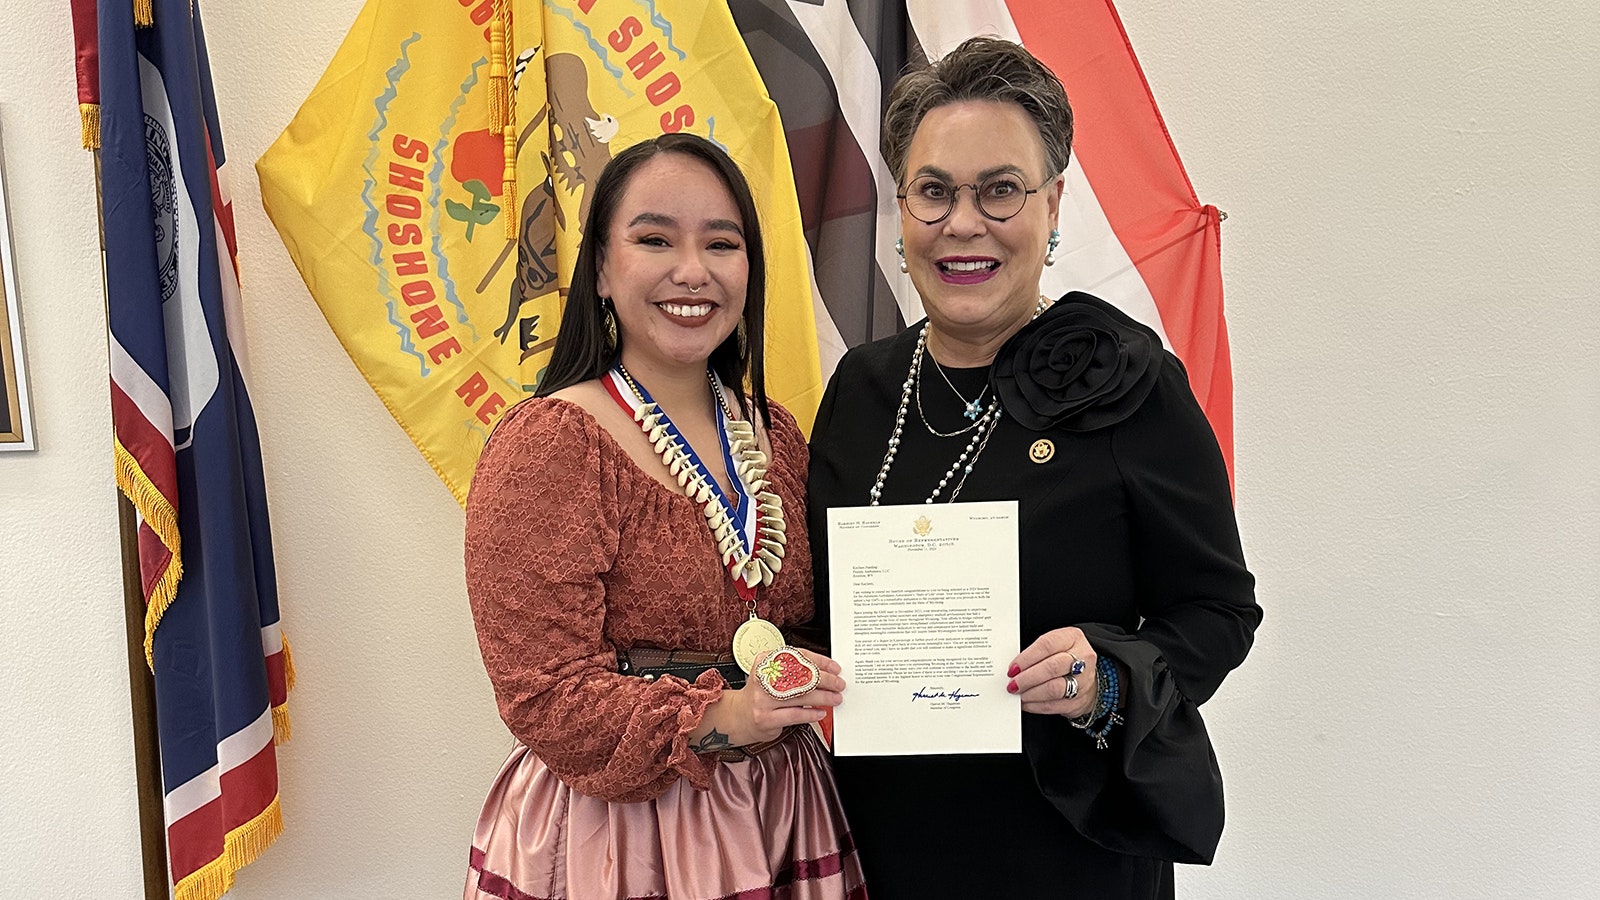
1082 365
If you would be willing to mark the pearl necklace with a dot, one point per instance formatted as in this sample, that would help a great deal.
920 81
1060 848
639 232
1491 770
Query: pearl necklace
985 425
980 438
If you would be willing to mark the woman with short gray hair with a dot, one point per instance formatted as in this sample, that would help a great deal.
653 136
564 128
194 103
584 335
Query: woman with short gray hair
1135 599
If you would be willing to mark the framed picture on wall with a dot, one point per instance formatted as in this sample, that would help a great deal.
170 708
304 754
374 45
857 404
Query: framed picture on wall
16 418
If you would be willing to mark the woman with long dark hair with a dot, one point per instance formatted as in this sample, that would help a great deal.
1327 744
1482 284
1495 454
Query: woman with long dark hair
635 542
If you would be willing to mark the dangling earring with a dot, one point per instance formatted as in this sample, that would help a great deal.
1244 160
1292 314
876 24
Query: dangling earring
740 339
1055 241
608 312
900 248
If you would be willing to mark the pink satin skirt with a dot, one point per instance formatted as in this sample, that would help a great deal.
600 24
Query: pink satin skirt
770 828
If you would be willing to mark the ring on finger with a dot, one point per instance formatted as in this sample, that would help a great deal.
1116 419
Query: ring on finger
1077 664
785 673
1072 687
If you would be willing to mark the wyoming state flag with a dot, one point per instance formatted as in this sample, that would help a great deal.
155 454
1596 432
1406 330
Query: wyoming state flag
433 187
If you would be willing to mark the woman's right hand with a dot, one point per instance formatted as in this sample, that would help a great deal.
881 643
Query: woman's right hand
750 715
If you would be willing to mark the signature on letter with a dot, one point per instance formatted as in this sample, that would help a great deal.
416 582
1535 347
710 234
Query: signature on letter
954 696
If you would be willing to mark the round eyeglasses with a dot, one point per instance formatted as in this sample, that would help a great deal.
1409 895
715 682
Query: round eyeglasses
930 199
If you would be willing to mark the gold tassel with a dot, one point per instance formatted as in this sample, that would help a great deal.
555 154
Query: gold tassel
89 113
143 13
163 520
508 183
241 847
280 714
506 58
499 75
288 664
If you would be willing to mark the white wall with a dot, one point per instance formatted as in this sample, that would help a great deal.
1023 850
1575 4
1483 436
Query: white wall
1411 270
66 751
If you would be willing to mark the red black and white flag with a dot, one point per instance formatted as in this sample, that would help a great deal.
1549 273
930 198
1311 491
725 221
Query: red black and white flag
187 451
1133 231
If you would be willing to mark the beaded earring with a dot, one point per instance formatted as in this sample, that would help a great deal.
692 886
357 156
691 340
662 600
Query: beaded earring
900 248
1055 241
607 312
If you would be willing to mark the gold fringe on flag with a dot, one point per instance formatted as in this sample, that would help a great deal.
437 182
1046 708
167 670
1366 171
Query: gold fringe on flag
143 13
280 713
90 114
163 520
280 724
241 848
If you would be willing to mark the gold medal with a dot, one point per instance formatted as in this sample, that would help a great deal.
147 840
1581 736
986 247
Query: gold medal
755 638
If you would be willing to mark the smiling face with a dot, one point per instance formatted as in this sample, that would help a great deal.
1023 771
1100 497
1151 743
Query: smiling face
675 265
978 278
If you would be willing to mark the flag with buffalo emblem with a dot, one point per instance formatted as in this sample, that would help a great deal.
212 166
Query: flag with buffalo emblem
390 186
432 190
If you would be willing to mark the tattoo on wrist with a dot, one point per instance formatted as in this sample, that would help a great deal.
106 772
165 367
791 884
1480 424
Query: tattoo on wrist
716 740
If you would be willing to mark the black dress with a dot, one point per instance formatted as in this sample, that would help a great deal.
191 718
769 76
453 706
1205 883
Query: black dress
1126 531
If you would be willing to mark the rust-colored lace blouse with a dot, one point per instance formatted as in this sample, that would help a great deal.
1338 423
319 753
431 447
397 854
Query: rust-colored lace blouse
572 551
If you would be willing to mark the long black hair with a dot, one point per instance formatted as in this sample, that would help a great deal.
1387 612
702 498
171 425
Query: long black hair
583 350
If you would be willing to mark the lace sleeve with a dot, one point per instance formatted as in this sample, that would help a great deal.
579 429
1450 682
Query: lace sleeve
542 532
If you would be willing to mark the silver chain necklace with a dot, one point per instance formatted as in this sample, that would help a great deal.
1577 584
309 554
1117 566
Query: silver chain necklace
986 425
980 438
972 407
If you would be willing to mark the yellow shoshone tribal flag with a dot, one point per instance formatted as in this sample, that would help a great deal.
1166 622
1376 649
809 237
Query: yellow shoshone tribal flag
441 267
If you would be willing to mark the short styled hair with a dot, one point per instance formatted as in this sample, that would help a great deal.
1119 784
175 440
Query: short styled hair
583 350
982 68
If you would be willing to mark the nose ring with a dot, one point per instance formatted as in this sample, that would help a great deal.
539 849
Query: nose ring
695 290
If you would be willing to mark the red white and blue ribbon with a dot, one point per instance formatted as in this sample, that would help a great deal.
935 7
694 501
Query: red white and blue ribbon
740 511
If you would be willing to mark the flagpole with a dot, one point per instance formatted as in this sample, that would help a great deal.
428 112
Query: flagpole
142 692
141 683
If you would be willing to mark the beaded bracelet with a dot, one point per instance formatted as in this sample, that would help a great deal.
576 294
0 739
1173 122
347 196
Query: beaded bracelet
1098 709
1109 701
1107 692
